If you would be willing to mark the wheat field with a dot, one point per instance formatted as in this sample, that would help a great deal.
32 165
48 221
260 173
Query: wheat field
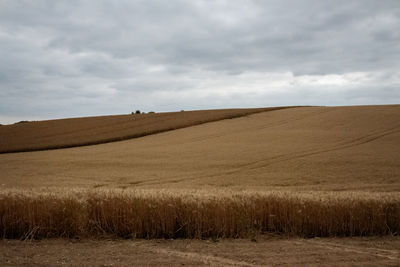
309 171
165 215
51 134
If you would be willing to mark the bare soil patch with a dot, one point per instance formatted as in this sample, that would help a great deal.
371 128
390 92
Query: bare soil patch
266 251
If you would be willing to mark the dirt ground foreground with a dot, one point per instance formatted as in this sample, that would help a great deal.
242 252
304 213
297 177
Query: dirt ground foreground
265 251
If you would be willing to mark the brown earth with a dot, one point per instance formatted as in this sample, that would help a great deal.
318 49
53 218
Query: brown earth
303 149
52 134
267 251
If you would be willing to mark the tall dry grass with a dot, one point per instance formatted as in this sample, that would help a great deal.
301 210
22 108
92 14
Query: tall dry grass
178 216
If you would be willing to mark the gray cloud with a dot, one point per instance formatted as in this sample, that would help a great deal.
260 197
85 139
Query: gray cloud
78 58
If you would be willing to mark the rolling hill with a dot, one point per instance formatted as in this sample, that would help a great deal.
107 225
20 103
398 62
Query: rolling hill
62 133
304 149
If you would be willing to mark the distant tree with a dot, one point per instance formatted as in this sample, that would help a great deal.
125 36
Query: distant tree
137 112
151 112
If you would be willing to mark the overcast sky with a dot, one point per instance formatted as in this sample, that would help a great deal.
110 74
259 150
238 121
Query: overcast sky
81 58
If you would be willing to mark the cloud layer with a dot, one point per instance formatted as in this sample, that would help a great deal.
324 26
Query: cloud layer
79 58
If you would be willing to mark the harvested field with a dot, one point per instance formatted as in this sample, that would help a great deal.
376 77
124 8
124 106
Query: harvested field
53 134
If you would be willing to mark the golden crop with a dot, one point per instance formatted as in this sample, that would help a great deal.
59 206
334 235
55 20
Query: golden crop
159 214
